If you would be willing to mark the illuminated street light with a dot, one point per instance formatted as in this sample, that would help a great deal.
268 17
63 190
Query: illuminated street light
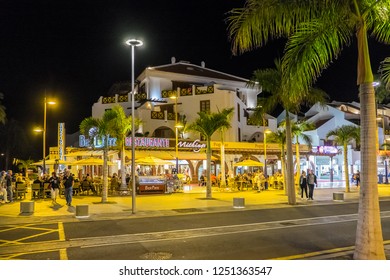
45 102
177 126
133 43
267 131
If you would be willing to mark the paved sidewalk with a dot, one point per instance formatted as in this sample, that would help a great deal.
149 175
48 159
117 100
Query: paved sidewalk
191 200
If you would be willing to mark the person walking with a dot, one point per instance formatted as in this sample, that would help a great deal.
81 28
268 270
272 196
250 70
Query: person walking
303 184
311 181
68 184
8 180
55 186
357 178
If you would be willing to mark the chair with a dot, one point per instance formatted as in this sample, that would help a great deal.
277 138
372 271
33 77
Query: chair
85 187
36 191
76 188
46 190
20 190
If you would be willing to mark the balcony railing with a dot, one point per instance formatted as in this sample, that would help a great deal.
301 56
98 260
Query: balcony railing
167 93
155 115
250 121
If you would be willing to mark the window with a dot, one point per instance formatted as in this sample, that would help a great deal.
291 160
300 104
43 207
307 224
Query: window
205 105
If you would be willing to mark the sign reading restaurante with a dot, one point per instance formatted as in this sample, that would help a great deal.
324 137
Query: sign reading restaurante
147 142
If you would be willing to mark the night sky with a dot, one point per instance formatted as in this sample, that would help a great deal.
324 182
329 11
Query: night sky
74 51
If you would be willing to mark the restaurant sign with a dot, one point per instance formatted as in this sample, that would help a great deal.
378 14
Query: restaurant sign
325 150
196 145
145 142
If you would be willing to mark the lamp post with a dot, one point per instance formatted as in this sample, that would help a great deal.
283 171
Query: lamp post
265 157
45 103
177 126
133 43
385 146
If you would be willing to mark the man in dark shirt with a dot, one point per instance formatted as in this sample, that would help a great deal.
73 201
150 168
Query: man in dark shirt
8 179
68 184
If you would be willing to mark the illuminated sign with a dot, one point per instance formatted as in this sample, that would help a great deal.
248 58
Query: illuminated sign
325 150
61 140
195 145
146 142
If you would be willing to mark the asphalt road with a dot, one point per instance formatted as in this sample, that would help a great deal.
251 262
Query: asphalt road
299 232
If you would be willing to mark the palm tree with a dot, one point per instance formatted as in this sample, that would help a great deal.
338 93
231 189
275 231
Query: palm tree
342 136
317 31
119 128
298 131
95 127
280 138
207 124
24 165
228 112
2 110
281 92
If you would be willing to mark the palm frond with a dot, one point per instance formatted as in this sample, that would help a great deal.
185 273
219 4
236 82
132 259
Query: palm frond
312 48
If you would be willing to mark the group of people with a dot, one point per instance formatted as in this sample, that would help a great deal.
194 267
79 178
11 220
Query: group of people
6 191
307 181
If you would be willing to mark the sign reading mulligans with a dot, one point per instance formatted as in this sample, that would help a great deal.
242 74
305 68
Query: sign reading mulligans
195 145
146 142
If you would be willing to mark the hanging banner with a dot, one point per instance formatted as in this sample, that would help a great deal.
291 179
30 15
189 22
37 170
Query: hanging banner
61 140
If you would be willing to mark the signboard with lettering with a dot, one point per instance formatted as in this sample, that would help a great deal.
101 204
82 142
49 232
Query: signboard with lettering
196 145
61 140
146 142
325 150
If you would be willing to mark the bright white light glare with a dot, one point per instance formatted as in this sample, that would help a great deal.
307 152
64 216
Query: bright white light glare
134 42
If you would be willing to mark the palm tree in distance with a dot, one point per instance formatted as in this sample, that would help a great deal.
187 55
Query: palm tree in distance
280 91
120 127
317 31
96 127
3 115
279 137
298 131
342 136
207 124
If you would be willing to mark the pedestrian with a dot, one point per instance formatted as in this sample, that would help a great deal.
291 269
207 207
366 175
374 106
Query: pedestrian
3 187
303 184
68 184
8 179
357 178
311 181
54 186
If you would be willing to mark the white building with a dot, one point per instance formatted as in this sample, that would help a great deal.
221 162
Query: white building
198 89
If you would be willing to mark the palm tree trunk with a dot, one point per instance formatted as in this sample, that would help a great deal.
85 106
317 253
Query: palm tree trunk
369 239
284 170
208 169
290 163
298 160
105 174
346 175
223 172
123 168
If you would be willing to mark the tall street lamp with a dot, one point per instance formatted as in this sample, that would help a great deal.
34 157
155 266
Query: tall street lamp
133 43
177 126
265 157
45 103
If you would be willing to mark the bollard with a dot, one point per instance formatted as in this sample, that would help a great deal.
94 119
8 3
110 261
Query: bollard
338 196
82 211
27 206
238 202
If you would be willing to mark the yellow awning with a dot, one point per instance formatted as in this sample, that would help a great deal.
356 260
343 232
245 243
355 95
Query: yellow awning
169 155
